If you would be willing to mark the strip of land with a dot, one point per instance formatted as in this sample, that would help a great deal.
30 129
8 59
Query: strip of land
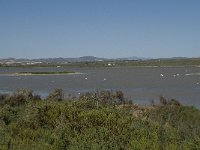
41 73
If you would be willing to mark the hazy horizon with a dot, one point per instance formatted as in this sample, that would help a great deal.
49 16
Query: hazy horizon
99 57
105 29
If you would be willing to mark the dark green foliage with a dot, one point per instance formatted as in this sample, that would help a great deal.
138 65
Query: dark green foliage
20 97
102 120
164 101
105 98
43 73
56 95
3 97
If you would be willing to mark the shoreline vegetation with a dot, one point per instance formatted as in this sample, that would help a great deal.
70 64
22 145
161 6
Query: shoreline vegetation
96 120
41 73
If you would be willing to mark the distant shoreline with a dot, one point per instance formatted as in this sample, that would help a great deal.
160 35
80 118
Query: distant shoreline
186 62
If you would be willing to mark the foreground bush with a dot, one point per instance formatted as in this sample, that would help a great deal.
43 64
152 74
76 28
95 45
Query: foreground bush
101 120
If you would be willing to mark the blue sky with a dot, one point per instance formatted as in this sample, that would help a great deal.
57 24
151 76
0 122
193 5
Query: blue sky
102 28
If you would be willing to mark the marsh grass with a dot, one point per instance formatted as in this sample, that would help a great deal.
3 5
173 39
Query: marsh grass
46 73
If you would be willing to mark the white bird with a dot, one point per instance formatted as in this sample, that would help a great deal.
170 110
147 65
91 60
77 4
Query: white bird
86 78
161 75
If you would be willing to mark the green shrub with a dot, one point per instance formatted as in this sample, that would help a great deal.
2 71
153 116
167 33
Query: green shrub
56 95
101 120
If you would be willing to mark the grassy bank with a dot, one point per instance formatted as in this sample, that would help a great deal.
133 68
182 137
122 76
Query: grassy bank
63 72
40 73
45 73
101 120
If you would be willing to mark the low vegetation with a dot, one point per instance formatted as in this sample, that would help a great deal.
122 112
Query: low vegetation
100 120
46 73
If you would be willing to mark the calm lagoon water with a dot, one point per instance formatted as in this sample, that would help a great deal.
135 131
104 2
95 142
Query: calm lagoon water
140 84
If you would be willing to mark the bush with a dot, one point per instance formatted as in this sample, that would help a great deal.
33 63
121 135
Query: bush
20 97
56 95
96 121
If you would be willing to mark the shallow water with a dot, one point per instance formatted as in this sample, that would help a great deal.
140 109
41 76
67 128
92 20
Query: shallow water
141 84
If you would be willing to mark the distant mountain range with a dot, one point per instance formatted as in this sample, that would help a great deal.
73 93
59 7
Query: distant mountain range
80 59
133 58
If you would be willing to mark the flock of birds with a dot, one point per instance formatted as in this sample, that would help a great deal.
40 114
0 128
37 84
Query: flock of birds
176 75
103 79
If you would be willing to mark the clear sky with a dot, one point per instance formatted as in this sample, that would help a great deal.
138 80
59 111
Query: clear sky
102 28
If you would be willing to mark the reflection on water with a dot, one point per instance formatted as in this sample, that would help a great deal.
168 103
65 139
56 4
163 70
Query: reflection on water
142 84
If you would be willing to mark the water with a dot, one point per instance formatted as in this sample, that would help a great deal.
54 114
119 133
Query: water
141 84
